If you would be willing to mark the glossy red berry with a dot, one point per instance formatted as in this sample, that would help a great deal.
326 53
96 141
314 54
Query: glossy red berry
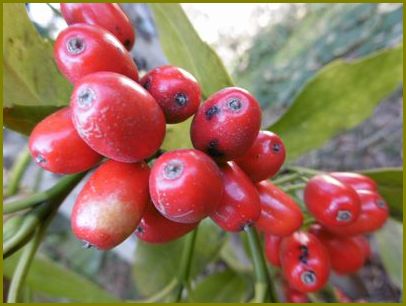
154 228
374 213
346 254
57 147
294 296
240 203
355 180
280 215
227 124
83 49
175 90
272 248
106 15
264 159
364 243
111 204
185 185
305 262
330 201
117 117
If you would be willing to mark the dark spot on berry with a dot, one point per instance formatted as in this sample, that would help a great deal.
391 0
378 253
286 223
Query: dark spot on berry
75 45
212 149
304 254
343 216
127 43
181 99
234 104
380 203
211 112
139 229
173 169
40 159
86 97
147 84
308 277
276 147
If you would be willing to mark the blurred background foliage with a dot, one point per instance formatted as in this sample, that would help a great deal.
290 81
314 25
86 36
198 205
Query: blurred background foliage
279 50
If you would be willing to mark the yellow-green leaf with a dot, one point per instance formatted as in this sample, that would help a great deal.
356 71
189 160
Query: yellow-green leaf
339 97
54 280
32 85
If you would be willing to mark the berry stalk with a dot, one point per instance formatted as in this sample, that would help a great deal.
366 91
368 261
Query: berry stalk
263 287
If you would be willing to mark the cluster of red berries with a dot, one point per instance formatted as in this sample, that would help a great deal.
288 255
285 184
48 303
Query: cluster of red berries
346 206
115 115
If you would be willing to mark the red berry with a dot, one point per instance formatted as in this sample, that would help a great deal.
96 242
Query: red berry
364 243
280 215
111 204
175 90
330 201
185 185
374 213
117 117
294 296
355 180
56 146
83 49
264 159
346 254
240 203
272 248
154 228
305 262
106 15
227 124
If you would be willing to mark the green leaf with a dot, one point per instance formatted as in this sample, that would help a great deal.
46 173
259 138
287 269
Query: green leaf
339 97
54 280
389 241
184 48
156 265
227 286
32 85
390 186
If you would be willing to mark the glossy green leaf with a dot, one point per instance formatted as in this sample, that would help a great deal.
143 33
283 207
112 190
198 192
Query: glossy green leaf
389 241
390 186
156 265
225 287
339 97
54 280
32 85
184 48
